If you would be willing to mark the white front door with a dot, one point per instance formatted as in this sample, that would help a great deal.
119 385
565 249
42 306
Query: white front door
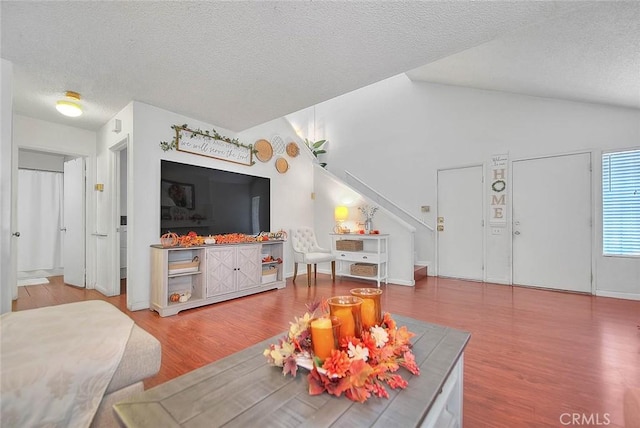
460 216
552 222
73 220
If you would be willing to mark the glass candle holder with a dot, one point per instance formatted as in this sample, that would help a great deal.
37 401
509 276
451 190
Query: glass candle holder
370 310
347 310
324 336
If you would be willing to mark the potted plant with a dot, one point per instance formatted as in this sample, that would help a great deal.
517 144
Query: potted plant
316 149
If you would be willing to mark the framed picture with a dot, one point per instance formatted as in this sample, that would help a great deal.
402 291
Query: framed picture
174 194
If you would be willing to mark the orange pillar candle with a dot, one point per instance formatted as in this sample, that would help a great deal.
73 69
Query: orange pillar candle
347 310
371 311
322 339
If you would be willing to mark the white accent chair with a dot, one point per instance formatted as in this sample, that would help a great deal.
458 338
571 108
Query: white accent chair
306 250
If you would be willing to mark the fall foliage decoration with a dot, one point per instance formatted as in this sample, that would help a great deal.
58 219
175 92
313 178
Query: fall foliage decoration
359 369
191 239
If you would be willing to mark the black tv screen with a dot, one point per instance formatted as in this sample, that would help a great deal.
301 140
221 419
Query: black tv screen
211 201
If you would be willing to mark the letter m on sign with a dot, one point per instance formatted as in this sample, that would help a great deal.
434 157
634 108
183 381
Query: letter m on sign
495 200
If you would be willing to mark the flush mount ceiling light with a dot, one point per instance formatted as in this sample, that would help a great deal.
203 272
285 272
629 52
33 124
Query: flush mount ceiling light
70 106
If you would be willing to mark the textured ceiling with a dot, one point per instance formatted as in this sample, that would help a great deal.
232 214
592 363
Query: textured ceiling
239 64
592 55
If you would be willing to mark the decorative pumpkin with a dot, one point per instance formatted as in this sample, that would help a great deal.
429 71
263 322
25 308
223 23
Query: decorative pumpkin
169 239
174 297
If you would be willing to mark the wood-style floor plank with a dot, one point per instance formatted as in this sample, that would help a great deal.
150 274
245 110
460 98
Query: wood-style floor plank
533 354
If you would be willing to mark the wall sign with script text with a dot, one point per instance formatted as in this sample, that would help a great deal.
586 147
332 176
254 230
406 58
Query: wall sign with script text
498 191
204 144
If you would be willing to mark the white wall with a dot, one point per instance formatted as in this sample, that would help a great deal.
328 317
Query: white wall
39 135
147 126
7 242
331 192
291 203
396 134
107 244
40 161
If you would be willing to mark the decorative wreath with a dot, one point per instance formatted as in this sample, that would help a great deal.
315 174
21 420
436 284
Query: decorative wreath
498 186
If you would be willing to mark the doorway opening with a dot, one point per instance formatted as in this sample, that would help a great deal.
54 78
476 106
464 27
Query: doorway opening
50 217
120 174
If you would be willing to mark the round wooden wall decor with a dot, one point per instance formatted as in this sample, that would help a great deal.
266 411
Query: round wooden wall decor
292 149
264 151
282 165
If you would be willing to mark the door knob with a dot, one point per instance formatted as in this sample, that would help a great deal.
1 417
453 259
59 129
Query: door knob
517 232
63 229
16 234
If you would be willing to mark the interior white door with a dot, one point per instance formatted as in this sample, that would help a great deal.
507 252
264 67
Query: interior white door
552 222
460 243
73 223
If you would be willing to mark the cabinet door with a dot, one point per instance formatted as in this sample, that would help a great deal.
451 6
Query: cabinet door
249 263
220 271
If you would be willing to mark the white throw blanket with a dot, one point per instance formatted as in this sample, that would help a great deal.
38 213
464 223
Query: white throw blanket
56 362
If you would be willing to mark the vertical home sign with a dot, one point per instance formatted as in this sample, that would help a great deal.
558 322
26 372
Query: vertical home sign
498 190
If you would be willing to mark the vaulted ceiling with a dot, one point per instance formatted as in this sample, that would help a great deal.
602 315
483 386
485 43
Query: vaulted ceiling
239 64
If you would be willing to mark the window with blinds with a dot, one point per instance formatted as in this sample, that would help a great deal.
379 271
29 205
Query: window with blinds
621 203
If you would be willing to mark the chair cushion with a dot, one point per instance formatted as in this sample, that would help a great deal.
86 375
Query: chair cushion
318 257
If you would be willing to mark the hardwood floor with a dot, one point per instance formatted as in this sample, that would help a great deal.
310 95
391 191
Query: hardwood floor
533 356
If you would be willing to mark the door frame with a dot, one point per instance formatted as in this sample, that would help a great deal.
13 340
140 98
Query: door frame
482 166
89 200
114 226
592 212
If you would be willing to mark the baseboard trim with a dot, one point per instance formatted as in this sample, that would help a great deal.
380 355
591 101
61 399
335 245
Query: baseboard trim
618 295
138 306
389 281
402 282
103 290
500 281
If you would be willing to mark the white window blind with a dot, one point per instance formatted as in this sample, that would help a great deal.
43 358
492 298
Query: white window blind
621 203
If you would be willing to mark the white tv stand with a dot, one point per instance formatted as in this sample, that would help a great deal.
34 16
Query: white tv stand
226 271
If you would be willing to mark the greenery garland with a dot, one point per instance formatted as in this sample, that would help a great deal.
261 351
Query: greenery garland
213 134
497 189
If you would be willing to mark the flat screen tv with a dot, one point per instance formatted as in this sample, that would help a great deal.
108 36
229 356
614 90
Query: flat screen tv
211 201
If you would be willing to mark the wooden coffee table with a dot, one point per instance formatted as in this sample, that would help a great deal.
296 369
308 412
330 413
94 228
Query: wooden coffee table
243 390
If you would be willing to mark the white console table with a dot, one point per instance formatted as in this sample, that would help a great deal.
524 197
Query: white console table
375 250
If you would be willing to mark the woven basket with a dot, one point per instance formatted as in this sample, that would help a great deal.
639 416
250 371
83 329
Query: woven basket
349 245
364 269
184 266
269 271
